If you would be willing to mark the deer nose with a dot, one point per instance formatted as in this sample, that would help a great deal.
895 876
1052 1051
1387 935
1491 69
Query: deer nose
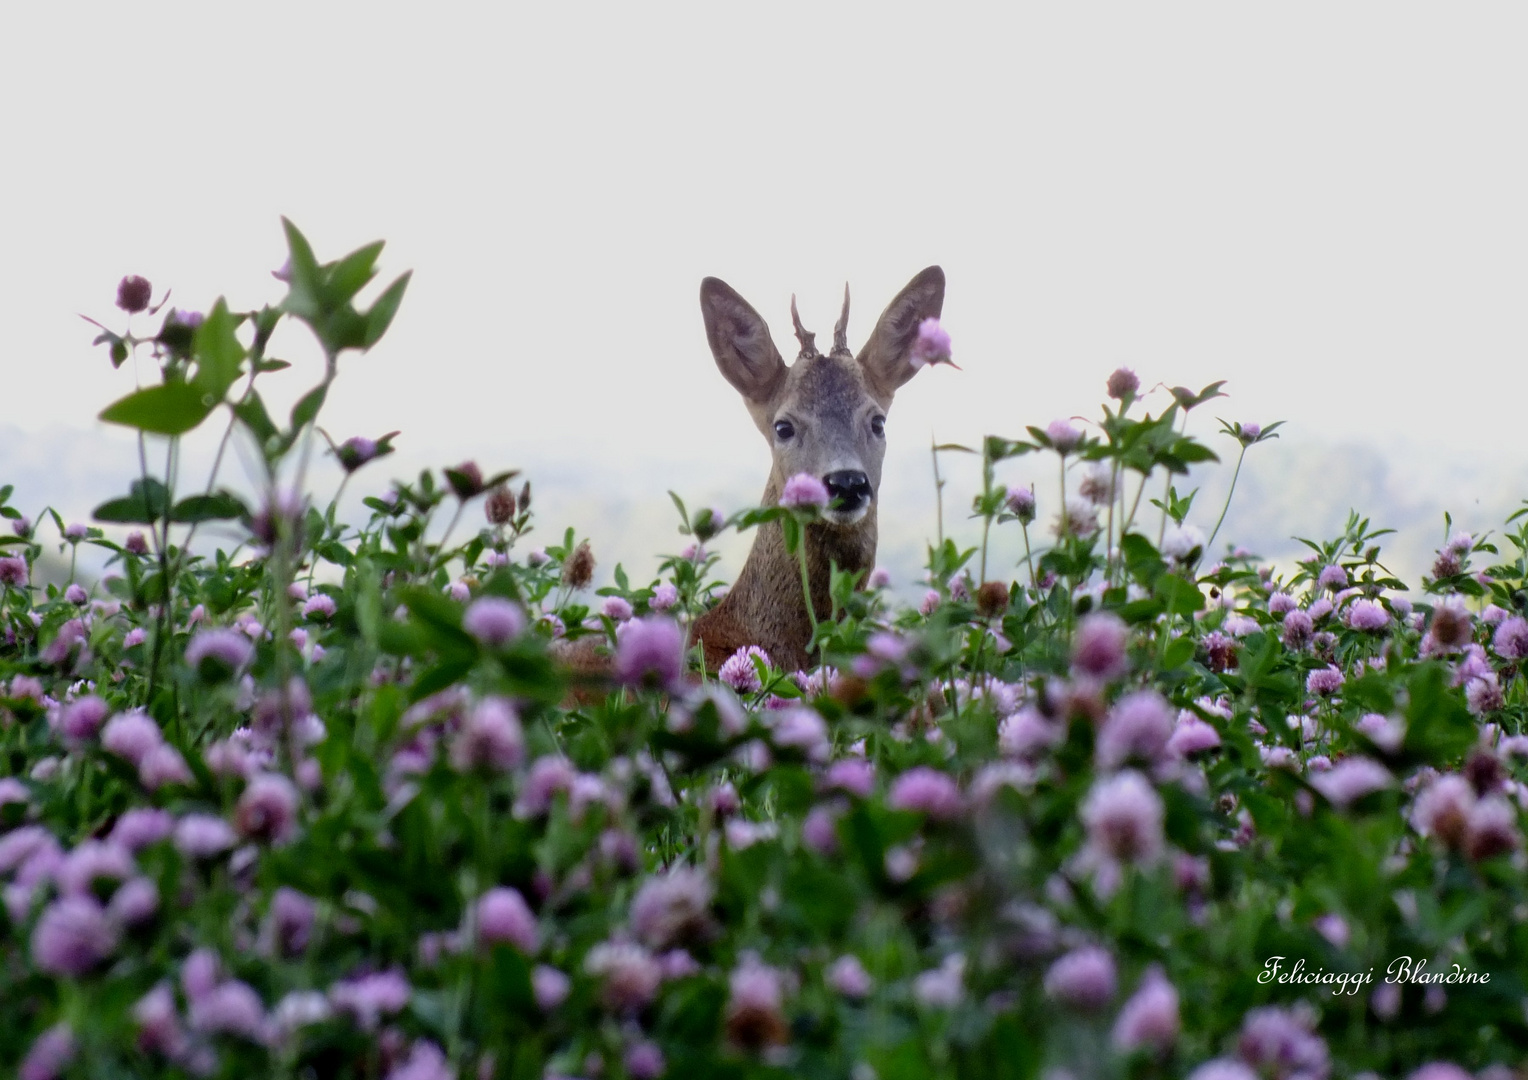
848 488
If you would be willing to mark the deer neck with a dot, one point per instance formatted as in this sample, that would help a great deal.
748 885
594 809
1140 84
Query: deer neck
767 604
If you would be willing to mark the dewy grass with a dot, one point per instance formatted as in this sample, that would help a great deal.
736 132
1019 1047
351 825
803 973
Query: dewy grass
325 803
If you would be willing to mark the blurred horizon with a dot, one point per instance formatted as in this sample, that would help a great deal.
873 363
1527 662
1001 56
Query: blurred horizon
1285 491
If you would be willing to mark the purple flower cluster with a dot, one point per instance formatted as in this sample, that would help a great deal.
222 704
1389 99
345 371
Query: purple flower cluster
804 491
932 345
650 652
494 621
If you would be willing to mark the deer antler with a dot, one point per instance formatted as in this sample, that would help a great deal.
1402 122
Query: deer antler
803 335
841 328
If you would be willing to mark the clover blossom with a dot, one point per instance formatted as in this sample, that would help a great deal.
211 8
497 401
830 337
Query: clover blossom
1084 978
503 916
804 490
649 652
931 346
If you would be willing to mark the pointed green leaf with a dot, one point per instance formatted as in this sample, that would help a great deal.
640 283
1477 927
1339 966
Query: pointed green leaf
219 506
304 279
350 275
218 352
307 407
380 317
684 515
144 505
1178 653
251 413
167 409
1181 596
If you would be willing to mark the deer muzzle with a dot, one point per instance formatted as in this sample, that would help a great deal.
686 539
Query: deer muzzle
849 494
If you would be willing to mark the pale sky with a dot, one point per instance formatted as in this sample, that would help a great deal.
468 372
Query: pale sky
1321 203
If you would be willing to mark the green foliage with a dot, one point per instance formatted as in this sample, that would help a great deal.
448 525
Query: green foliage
879 866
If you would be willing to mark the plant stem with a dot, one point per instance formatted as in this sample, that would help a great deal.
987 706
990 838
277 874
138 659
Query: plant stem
986 508
1134 506
1167 486
1109 529
1034 582
166 582
806 584
1063 498
440 551
938 491
1229 493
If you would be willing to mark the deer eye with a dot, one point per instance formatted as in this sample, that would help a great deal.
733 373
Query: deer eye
784 429
878 426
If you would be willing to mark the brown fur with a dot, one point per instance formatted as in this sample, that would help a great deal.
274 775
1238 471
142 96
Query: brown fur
767 604
831 400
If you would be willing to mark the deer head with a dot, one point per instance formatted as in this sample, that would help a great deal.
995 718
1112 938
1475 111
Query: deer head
825 414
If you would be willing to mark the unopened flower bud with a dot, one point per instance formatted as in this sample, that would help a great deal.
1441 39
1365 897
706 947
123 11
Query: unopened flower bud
466 480
136 543
1123 383
1021 504
1063 435
281 515
578 571
525 497
1447 564
499 507
355 452
133 294
707 523
991 599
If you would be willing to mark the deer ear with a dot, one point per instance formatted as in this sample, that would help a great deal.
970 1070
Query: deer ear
740 341
887 356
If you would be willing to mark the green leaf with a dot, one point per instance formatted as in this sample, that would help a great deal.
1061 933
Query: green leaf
1182 597
335 552
167 409
1141 559
307 407
251 413
998 449
1192 453
1438 726
305 282
144 506
451 668
219 506
218 352
119 351
380 317
350 275
1139 611
1178 653
684 515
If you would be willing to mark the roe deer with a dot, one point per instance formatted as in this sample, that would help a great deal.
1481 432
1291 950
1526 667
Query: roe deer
823 415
